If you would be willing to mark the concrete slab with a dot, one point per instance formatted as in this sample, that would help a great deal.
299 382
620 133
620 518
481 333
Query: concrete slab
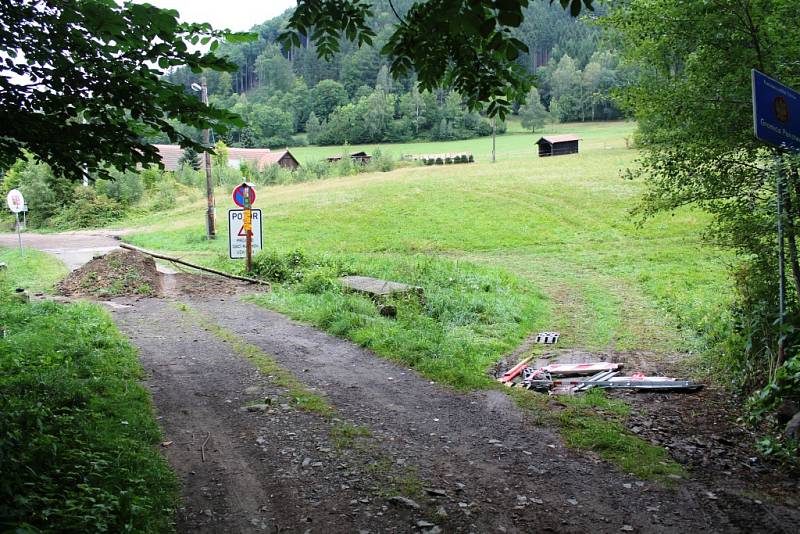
377 288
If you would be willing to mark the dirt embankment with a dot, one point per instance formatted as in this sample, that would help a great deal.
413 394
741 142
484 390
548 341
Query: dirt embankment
120 273
127 273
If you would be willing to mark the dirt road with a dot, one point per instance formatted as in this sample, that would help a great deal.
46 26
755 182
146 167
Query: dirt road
468 462
399 454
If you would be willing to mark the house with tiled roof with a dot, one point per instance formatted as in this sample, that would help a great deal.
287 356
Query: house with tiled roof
258 157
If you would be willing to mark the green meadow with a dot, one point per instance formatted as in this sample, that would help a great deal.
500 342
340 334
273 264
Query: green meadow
557 230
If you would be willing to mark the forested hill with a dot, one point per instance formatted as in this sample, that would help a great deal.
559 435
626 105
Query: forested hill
352 98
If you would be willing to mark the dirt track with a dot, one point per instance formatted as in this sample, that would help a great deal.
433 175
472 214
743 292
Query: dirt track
471 462
488 468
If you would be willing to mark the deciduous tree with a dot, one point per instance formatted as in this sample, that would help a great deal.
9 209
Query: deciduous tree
82 82
466 44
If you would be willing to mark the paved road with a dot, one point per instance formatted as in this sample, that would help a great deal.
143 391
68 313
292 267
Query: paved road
72 248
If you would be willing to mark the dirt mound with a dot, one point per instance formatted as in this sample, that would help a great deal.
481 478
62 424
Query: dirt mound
116 274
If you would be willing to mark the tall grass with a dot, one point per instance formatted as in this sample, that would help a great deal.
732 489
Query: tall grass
77 432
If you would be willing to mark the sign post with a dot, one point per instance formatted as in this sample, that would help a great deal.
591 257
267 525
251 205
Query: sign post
776 120
244 196
16 203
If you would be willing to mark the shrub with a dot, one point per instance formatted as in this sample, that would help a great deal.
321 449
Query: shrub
448 160
89 210
320 280
439 161
471 159
163 197
126 188
313 170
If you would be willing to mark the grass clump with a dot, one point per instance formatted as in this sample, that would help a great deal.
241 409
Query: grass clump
77 433
469 316
344 435
299 395
595 422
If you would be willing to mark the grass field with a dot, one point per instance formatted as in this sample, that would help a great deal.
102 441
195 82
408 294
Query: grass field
501 250
31 269
561 224
516 144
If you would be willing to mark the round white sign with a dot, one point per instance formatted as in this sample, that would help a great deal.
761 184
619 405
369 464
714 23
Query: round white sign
15 201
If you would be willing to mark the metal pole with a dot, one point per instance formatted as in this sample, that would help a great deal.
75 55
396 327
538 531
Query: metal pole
781 270
211 230
248 229
19 236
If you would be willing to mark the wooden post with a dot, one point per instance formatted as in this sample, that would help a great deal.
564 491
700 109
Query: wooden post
211 230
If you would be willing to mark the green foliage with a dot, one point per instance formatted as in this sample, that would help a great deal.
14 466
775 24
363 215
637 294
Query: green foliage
88 210
46 194
353 97
468 317
693 104
77 434
785 386
62 117
438 41
124 187
533 113
190 158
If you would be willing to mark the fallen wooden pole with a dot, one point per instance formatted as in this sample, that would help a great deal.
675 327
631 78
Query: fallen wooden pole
194 266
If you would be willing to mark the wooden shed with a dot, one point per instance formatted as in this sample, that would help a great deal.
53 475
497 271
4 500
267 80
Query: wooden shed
355 157
284 158
360 157
558 145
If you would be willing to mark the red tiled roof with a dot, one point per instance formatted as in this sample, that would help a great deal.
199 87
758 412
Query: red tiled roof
170 154
261 157
253 155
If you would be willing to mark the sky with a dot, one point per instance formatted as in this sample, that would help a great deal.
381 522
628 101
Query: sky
236 15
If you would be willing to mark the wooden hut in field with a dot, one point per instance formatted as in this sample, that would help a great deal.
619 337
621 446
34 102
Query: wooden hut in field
558 145
355 157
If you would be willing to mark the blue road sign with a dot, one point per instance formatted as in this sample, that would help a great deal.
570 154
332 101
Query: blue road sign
239 195
776 112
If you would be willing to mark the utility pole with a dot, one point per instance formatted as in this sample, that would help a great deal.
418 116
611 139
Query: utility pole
494 133
211 215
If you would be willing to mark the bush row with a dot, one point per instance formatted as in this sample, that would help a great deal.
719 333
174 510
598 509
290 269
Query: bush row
448 160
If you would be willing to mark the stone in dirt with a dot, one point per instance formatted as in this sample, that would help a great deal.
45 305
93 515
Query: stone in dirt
793 427
404 501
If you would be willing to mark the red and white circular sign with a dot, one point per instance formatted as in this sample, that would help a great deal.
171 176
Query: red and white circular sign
16 203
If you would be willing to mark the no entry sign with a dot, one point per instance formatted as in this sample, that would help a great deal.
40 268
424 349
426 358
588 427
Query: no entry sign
16 203
242 193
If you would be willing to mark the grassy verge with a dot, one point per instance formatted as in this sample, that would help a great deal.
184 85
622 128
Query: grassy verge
32 270
77 436
468 318
595 422
300 396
